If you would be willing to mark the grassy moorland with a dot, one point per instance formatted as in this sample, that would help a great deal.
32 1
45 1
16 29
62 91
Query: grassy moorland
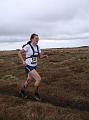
64 88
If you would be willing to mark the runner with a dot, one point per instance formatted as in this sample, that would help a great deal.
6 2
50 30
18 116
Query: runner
32 53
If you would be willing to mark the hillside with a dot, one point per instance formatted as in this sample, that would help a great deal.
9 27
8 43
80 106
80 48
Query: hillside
64 88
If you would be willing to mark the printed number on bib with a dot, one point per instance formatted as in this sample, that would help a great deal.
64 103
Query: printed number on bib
34 60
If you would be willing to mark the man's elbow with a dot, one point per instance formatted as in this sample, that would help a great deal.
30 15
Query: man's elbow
19 53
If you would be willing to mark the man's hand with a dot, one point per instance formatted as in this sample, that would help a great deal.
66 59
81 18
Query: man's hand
45 56
24 63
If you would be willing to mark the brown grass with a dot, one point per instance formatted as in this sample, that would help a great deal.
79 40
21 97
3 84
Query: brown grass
64 88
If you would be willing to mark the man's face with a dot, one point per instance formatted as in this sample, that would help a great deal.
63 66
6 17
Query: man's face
36 39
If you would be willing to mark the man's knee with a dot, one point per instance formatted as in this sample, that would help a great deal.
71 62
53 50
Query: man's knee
29 78
39 79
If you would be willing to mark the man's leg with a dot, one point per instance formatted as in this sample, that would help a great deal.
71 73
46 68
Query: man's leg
28 81
24 86
37 78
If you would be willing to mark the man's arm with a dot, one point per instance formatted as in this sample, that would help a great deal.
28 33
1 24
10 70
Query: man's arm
20 54
43 56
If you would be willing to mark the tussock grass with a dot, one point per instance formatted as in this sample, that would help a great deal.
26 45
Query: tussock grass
64 88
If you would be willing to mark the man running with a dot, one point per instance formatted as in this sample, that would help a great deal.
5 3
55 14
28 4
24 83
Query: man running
32 52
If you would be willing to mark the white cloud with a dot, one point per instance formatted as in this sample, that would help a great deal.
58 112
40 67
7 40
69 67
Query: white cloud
49 18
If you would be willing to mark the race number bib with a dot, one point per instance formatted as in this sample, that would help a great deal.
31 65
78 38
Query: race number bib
34 60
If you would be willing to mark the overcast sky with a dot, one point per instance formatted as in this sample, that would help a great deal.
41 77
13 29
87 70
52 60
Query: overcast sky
48 18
